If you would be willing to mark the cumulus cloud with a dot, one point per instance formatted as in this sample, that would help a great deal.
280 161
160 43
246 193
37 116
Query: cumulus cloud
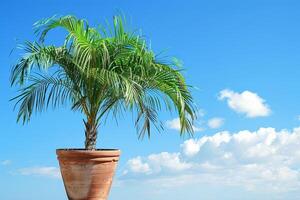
215 122
264 160
174 124
156 163
136 165
247 102
51 172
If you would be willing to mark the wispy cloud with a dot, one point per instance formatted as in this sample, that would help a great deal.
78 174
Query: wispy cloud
264 160
174 124
215 122
247 102
6 162
50 172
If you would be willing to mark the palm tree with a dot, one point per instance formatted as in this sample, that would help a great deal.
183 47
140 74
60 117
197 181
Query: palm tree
99 72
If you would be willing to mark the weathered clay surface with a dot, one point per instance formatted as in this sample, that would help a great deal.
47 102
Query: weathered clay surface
87 175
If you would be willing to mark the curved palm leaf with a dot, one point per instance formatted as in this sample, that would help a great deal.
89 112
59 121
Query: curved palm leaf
100 72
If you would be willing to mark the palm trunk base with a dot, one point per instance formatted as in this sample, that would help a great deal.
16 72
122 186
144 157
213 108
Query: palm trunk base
90 136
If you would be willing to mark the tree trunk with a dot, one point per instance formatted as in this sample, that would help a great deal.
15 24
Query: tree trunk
90 136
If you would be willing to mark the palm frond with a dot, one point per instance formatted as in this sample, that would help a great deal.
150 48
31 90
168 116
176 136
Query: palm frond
101 72
42 91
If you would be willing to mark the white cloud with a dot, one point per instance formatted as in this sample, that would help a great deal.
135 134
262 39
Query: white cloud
167 161
190 147
174 124
200 113
136 165
265 160
298 117
156 163
247 102
5 162
52 172
215 122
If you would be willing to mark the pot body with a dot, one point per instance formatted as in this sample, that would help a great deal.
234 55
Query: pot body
87 175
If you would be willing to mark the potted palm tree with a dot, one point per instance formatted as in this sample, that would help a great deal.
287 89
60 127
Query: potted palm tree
98 72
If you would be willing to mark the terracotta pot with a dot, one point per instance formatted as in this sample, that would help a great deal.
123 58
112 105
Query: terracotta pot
87 175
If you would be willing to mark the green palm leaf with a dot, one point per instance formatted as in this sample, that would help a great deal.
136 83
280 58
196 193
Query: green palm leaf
100 73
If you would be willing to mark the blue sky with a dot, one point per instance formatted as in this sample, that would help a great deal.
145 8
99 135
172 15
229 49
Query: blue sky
243 58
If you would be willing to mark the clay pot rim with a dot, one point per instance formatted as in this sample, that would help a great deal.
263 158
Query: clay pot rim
83 152
86 150
98 154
